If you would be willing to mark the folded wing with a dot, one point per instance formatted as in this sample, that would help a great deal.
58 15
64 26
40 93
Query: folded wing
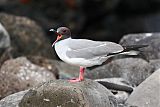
88 49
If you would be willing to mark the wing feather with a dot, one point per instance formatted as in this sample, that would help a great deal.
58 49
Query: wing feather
88 49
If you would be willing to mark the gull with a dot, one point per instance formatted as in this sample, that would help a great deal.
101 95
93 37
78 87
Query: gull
86 53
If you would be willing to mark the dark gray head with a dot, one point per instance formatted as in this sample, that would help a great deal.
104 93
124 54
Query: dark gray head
62 33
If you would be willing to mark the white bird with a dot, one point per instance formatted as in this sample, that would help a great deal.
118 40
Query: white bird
83 52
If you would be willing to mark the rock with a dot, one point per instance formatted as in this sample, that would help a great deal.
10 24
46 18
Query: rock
12 100
134 70
151 39
4 44
118 86
64 93
27 38
20 74
147 93
155 63
4 38
136 6
46 63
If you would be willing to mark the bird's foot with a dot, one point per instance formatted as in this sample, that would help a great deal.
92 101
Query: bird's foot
75 80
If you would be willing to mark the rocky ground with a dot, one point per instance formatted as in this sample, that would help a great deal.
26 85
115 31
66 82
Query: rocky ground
31 75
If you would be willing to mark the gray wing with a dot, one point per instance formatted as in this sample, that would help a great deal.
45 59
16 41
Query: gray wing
88 49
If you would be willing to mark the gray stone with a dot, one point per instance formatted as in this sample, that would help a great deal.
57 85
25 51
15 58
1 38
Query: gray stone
155 63
134 70
64 93
13 99
4 44
118 86
20 74
4 38
150 39
147 94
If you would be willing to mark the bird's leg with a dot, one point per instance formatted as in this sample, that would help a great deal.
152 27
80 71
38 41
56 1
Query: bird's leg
81 76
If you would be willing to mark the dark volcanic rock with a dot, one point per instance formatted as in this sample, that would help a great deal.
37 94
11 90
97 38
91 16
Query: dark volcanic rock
12 100
147 94
64 93
27 38
20 74
151 39
134 70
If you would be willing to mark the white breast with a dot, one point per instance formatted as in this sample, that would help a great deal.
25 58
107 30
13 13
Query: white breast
61 48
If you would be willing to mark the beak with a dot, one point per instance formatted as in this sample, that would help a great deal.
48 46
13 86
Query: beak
59 36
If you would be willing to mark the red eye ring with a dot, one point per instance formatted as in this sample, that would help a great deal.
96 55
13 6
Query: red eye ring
64 30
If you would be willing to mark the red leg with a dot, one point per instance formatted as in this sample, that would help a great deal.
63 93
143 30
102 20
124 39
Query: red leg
81 76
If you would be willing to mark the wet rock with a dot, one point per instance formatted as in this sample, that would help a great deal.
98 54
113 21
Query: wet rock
64 93
147 93
27 38
134 70
151 39
20 74
46 63
12 100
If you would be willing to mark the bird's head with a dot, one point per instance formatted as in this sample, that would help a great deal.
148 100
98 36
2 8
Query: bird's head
62 33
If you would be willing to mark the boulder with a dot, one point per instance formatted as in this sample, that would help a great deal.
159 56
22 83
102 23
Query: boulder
134 70
13 99
4 44
150 39
147 94
118 86
64 93
4 38
155 63
49 64
20 74
27 37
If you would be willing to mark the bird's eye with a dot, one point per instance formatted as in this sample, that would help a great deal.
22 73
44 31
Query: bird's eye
64 30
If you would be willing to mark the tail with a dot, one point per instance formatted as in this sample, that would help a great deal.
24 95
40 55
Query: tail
129 51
